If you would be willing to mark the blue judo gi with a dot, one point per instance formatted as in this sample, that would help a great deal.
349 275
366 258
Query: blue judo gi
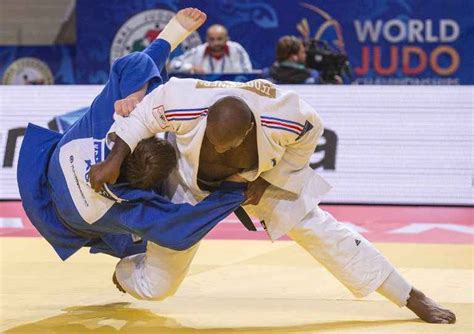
54 168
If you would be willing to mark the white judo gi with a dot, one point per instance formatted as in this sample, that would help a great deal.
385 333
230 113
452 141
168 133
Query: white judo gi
288 130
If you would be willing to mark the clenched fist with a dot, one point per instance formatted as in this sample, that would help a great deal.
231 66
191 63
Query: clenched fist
255 191
103 172
125 106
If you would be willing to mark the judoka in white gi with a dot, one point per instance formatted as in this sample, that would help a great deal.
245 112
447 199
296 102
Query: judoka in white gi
286 133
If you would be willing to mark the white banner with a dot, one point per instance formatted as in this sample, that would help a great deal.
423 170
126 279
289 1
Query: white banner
382 145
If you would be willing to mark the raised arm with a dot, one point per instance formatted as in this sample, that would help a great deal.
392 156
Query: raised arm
126 133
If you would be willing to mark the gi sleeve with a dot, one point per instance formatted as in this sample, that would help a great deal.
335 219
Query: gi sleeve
290 173
179 226
131 72
154 115
145 121
158 51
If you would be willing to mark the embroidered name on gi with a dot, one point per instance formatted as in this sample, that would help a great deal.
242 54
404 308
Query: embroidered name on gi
259 87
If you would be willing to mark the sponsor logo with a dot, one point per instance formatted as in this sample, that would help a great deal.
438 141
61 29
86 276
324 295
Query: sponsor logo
88 170
259 87
99 150
28 71
77 182
142 29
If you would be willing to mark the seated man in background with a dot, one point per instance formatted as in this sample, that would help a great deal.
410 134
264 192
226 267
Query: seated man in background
54 170
289 67
217 55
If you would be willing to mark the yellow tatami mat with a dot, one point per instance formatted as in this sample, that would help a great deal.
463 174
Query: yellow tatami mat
233 287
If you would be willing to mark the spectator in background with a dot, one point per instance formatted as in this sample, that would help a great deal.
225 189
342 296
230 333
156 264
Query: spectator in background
217 55
289 67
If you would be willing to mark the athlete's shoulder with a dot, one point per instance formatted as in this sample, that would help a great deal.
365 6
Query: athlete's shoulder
181 81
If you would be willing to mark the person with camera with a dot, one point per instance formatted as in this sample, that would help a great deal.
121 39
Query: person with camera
289 67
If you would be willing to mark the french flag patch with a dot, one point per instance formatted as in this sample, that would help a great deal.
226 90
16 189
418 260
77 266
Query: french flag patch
185 114
282 124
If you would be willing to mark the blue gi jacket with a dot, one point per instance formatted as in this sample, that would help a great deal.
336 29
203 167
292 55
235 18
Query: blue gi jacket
53 180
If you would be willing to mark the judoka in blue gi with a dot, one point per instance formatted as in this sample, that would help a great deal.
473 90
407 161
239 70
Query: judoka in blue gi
53 176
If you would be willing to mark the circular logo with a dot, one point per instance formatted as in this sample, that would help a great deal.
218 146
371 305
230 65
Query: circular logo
28 71
142 29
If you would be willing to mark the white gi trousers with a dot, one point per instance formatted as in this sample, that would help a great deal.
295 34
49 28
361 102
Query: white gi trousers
344 252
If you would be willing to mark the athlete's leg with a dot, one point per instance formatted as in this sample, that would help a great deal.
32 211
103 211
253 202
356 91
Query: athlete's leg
360 266
177 30
156 274
344 252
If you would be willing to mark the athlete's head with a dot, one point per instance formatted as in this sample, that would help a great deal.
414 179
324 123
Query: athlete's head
229 121
150 164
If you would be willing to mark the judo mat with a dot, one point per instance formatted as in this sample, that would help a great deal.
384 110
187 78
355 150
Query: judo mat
240 282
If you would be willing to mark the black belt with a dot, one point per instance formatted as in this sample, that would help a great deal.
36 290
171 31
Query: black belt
245 219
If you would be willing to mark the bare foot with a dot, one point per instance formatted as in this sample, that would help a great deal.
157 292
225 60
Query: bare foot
428 310
182 25
117 284
191 18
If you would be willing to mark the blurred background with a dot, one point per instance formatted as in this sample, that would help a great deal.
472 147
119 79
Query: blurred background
392 79
362 42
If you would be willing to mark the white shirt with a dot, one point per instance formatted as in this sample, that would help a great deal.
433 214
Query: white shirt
235 61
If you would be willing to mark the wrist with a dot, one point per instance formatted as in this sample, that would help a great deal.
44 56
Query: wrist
119 152
263 182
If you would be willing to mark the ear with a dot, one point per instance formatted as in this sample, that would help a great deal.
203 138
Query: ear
249 129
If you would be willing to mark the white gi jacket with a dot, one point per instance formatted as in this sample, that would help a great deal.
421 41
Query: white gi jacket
288 130
236 60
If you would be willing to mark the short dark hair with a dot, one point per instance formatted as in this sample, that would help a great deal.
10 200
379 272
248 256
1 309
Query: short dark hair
229 118
287 46
150 163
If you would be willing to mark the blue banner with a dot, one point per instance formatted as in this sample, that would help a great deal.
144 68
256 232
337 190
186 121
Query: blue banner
387 41
37 65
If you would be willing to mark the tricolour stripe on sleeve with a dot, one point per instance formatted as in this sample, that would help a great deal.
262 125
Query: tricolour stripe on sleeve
185 114
282 124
